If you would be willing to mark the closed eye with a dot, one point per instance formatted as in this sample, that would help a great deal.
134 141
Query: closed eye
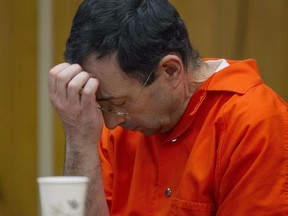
118 102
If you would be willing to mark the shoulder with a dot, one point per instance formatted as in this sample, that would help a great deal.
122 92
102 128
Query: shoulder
259 103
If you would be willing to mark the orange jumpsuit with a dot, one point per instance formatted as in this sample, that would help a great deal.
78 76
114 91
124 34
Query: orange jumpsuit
227 156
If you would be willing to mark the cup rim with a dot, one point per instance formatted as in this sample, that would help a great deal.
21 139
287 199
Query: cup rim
62 179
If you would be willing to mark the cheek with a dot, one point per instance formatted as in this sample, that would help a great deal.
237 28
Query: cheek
150 116
152 108
143 117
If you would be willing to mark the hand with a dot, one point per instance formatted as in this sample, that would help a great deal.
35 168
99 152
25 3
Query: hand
72 93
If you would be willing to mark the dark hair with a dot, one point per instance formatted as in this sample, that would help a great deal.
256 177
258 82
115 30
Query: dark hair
141 32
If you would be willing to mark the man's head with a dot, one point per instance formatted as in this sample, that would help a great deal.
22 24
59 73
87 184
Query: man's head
124 43
141 32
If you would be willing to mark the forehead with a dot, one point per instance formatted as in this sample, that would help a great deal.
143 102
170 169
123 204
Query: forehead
113 81
105 69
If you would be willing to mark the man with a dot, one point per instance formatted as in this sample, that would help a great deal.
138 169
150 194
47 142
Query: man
183 135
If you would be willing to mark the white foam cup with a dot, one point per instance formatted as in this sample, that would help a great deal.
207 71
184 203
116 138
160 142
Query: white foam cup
63 195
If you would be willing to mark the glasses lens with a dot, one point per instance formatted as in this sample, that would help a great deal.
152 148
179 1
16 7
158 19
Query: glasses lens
112 111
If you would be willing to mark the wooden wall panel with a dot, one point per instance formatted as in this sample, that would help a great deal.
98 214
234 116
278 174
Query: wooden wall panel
242 29
18 111
266 37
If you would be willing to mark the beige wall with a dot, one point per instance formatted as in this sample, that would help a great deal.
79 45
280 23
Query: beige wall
18 100
18 109
232 29
241 29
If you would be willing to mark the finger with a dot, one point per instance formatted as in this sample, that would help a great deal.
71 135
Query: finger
52 76
64 77
76 86
88 97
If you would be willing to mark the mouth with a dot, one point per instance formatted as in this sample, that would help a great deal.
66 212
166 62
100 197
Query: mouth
132 126
129 125
134 129
141 130
138 128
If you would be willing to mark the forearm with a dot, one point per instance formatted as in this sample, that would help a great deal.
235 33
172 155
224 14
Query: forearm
72 92
82 159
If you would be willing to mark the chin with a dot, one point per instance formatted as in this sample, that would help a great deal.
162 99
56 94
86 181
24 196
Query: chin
148 132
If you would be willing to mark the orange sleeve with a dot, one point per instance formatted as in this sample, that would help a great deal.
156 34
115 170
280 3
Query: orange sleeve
253 161
106 166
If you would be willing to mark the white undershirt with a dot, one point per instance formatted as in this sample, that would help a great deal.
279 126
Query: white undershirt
223 64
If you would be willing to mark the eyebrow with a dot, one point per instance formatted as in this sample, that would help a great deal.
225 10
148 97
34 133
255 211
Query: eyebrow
105 98
108 98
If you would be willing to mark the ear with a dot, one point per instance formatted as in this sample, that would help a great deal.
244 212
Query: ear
171 69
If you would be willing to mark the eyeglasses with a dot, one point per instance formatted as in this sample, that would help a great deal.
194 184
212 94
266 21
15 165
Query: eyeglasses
125 114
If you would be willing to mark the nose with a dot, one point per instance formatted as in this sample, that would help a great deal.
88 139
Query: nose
112 121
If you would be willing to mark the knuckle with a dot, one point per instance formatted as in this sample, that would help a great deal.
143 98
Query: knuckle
62 76
76 67
72 86
87 91
56 69
90 88
53 72
84 75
